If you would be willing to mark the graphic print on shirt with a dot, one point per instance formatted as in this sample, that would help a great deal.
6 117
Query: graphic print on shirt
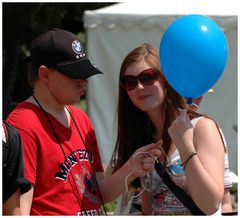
83 178
165 202
73 159
87 186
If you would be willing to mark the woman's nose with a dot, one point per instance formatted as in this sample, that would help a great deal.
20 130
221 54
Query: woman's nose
140 85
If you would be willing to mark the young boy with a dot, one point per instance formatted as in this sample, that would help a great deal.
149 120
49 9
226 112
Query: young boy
62 160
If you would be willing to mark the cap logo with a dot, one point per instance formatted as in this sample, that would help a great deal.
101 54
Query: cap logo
76 46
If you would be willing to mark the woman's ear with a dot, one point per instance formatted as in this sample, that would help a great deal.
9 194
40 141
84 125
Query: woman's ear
43 73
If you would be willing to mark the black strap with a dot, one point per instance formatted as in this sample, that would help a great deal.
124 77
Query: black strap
178 192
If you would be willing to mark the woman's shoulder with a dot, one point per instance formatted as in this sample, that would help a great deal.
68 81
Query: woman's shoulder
206 129
203 121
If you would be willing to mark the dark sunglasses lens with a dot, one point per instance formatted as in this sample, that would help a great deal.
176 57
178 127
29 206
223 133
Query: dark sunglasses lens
130 82
148 77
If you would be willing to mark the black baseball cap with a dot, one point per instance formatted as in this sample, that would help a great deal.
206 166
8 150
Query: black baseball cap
62 50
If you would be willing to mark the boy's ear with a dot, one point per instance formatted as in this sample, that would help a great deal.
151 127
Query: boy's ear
43 72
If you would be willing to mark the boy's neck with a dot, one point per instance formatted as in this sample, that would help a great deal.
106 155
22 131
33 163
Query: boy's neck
51 106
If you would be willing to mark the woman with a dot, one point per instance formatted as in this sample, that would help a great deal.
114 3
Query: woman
149 110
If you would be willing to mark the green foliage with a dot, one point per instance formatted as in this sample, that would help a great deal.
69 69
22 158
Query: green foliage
234 190
110 207
82 104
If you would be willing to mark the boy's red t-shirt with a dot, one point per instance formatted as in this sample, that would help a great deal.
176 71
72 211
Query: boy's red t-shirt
61 173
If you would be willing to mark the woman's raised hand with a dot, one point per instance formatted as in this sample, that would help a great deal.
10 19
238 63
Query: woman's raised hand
181 130
143 159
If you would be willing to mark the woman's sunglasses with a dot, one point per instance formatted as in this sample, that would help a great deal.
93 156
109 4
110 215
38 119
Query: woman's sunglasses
146 77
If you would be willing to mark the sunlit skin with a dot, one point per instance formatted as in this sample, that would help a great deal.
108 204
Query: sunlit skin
227 201
147 98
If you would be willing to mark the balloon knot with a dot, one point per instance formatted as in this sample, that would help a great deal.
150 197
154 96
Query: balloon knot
189 101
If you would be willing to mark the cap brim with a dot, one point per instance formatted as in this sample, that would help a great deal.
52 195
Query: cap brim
79 70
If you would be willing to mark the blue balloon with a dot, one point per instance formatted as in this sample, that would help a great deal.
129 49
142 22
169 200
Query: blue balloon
193 54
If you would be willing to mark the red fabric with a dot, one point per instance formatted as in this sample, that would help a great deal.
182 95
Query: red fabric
61 186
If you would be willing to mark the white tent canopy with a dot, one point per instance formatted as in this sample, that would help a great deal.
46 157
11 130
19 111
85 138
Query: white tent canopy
112 32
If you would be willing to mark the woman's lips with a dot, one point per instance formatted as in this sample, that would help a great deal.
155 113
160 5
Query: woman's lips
142 97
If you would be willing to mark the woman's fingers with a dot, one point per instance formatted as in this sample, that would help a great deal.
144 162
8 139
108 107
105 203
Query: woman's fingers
145 167
148 164
150 149
144 158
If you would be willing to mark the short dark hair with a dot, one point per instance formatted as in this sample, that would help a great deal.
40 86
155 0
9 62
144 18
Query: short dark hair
32 74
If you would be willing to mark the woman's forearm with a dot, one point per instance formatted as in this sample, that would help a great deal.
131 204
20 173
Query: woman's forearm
205 192
112 186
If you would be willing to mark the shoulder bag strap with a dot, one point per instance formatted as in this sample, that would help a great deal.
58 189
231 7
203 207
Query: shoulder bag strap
178 192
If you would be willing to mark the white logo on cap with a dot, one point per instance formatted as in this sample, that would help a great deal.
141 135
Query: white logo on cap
77 48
